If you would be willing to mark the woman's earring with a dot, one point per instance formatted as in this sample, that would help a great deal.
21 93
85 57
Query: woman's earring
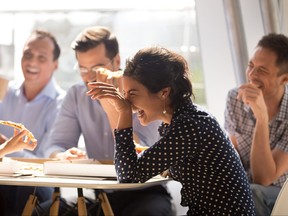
164 110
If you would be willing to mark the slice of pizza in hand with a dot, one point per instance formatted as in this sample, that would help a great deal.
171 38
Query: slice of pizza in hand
139 148
20 127
111 74
113 77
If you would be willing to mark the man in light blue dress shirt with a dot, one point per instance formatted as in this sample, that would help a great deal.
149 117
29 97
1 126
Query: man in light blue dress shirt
35 104
37 115
95 48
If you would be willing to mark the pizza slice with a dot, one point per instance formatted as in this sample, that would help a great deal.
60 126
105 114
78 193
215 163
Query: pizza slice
20 127
139 148
111 74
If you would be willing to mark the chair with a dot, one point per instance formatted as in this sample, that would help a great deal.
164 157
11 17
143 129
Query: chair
281 205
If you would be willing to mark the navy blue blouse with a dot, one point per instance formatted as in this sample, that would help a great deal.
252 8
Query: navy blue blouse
198 154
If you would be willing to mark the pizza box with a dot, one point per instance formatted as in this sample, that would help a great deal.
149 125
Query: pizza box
85 167
22 166
33 160
9 167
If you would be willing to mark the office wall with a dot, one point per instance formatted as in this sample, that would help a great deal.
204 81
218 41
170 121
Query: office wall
215 52
217 62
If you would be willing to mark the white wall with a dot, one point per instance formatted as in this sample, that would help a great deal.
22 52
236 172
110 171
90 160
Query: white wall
216 56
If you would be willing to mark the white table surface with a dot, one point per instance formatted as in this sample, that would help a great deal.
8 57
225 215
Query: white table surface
76 182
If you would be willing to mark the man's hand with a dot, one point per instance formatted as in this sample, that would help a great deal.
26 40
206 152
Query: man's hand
251 95
72 153
18 142
3 138
3 87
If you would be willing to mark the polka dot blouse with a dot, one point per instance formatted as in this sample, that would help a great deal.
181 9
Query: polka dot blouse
199 155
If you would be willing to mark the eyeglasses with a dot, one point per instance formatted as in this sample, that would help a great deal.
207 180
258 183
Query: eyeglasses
94 69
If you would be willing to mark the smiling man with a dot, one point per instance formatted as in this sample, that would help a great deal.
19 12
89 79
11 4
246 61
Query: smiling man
34 104
256 118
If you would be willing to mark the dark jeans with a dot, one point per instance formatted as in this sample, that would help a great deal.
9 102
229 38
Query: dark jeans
153 201
15 197
264 198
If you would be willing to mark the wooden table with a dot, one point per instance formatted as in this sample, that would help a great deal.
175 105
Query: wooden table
99 184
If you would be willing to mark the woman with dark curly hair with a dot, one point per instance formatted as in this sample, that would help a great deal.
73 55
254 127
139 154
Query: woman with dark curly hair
193 147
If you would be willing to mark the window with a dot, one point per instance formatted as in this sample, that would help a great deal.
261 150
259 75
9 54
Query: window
174 28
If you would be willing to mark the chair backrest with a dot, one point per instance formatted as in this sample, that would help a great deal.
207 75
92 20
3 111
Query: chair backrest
281 204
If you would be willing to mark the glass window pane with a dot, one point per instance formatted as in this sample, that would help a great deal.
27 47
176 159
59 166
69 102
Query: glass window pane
175 29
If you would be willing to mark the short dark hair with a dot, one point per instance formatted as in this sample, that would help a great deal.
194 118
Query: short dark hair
156 68
278 43
93 36
40 33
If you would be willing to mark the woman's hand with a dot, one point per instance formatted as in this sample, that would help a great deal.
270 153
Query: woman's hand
111 77
101 90
104 91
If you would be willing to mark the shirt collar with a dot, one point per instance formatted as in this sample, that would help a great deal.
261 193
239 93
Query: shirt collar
184 107
50 90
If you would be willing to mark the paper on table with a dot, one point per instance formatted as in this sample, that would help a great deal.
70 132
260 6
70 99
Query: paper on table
88 167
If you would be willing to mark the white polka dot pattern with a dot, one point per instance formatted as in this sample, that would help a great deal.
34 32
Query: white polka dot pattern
199 155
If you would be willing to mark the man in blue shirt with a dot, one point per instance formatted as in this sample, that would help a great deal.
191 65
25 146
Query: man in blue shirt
35 104
95 48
